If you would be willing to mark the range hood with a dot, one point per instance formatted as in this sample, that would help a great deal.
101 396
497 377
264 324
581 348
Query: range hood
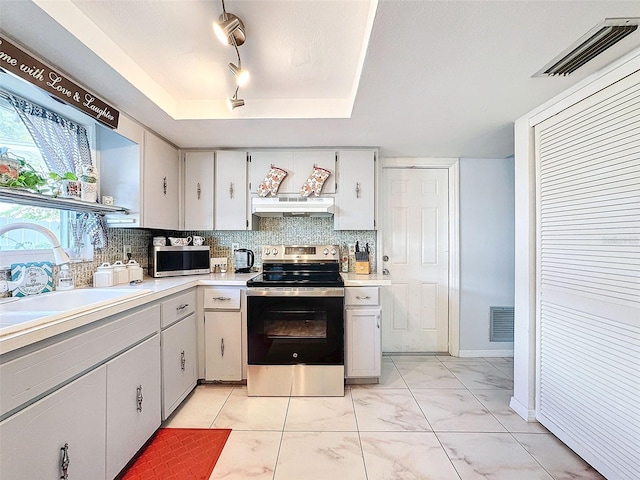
292 206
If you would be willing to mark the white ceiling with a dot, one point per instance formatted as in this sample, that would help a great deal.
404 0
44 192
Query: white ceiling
416 78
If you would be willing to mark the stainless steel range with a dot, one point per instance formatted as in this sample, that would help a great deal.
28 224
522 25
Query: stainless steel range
295 323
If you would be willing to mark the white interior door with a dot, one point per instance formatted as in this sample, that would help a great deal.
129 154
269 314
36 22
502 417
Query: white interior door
415 241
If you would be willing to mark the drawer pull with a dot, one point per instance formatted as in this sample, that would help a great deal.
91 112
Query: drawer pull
183 360
139 398
222 347
182 307
64 462
363 298
222 299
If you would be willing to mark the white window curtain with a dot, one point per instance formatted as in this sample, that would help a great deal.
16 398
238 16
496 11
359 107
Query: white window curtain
63 143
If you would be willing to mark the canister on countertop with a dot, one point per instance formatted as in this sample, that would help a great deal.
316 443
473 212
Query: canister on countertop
120 273
134 270
103 276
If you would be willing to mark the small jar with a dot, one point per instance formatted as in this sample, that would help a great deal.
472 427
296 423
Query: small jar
120 274
103 276
134 270
65 279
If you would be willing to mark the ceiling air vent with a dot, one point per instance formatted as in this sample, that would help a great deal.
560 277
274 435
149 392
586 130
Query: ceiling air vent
596 41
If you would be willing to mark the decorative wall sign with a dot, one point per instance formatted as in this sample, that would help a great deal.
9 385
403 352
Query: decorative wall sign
15 60
38 278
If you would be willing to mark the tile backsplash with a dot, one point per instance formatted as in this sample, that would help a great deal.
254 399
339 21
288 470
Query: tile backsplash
271 231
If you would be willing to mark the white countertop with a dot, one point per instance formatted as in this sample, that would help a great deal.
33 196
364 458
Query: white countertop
25 333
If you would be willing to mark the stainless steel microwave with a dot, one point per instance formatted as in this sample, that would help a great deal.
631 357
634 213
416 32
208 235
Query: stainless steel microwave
174 261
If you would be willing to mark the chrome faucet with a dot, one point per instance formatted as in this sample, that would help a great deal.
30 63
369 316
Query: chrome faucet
59 255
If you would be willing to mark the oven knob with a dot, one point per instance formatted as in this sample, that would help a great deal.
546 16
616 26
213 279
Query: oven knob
274 251
266 251
333 252
326 251
295 355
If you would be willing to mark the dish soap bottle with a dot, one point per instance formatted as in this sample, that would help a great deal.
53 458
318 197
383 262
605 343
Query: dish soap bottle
65 279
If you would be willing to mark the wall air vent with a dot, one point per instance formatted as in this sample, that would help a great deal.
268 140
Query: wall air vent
592 44
501 324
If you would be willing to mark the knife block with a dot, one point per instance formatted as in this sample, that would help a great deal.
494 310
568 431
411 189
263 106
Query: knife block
362 268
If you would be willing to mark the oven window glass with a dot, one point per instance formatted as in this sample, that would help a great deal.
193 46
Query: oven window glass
292 330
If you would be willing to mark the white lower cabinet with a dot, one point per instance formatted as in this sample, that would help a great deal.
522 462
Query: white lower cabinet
363 346
133 402
223 345
179 369
61 434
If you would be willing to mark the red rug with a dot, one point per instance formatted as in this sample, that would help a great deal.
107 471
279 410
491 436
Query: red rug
179 454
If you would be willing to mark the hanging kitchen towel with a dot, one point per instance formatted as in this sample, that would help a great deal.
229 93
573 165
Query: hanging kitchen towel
272 181
315 182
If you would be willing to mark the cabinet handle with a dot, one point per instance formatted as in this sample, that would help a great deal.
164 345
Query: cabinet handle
64 461
378 321
357 189
164 185
363 298
222 347
199 190
139 398
231 190
183 360
182 307
222 299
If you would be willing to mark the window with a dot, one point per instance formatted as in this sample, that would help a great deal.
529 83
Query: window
15 136
49 143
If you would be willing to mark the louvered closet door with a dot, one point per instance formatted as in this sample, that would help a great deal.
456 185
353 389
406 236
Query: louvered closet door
588 381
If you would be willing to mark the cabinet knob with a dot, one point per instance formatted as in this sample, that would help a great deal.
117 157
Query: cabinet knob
139 398
64 462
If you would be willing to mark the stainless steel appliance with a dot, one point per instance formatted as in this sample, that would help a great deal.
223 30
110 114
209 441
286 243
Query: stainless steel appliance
295 323
243 260
174 261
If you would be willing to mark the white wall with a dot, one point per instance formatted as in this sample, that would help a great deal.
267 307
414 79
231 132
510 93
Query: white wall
486 250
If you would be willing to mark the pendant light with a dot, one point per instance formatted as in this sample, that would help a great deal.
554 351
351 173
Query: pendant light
230 31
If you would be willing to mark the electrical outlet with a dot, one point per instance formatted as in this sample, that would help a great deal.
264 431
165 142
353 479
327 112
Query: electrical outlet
126 250
352 249
235 246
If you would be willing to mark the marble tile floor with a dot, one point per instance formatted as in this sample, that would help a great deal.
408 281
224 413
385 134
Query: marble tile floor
429 418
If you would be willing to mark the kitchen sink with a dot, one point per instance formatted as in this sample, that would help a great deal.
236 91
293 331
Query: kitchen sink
72 299
32 310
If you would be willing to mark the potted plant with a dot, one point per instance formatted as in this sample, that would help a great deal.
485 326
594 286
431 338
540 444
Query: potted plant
67 184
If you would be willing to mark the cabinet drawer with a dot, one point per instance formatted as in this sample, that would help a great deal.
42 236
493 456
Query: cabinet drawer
31 375
361 296
178 307
221 298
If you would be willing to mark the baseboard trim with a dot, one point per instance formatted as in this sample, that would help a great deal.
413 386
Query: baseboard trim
486 353
522 410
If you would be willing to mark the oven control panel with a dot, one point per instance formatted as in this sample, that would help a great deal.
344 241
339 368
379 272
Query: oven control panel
300 252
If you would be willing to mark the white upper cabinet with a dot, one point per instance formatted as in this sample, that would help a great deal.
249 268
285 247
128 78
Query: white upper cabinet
141 172
231 212
198 190
355 195
297 163
161 179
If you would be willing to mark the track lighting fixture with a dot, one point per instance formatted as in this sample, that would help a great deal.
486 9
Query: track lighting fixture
235 102
230 31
